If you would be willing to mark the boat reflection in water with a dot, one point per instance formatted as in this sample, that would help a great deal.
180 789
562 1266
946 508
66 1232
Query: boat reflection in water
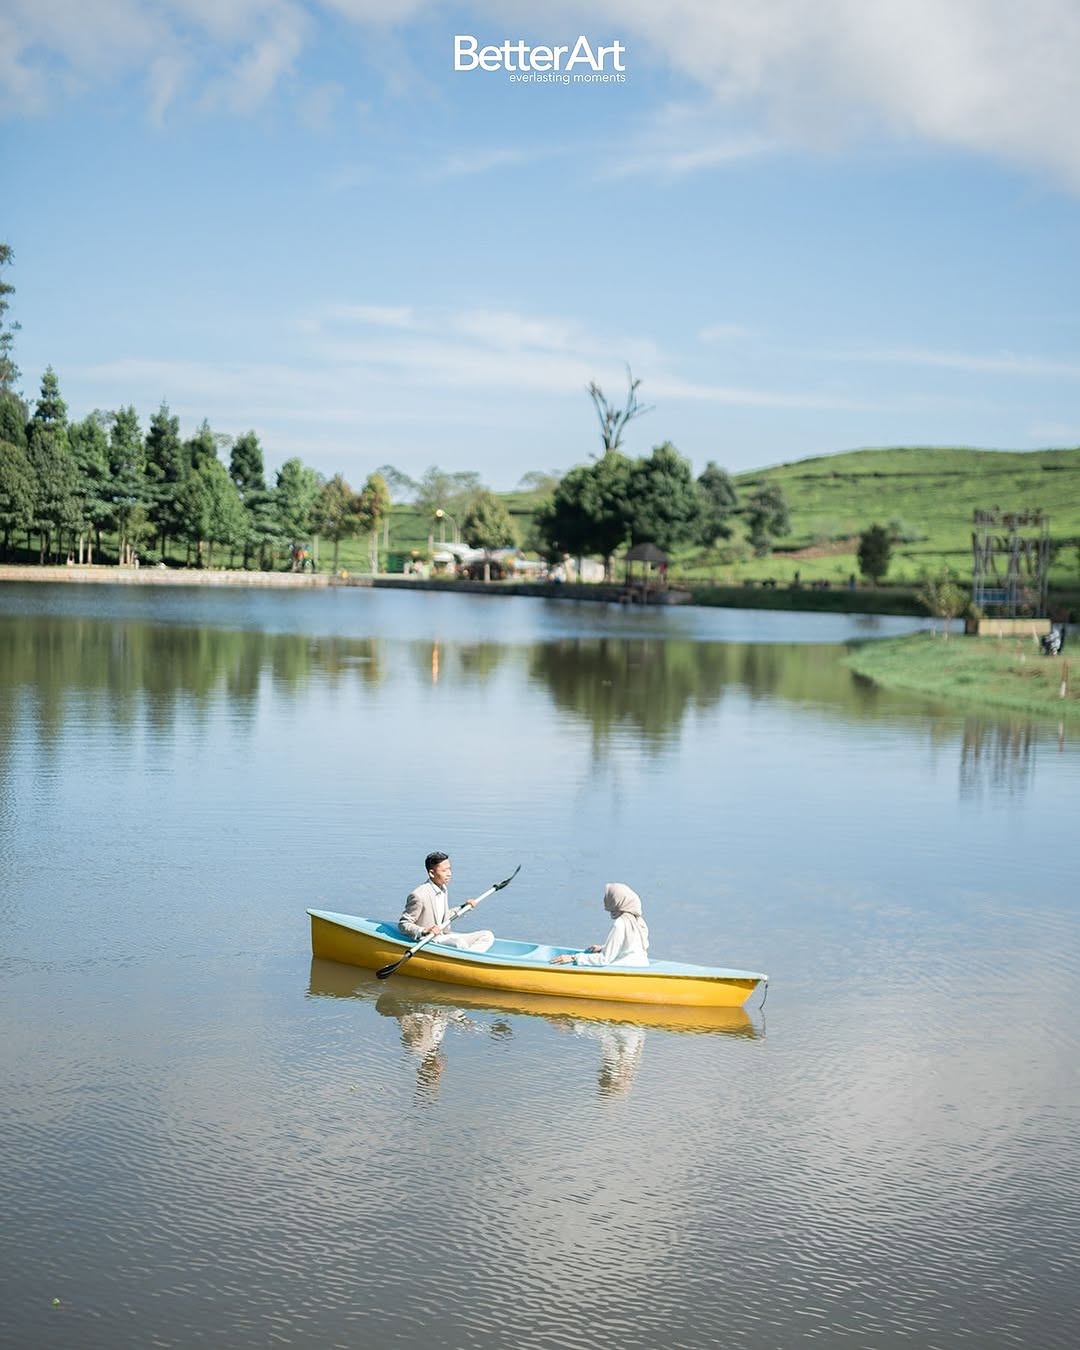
427 1011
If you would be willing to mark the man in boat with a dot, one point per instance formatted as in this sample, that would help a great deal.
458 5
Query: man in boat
427 910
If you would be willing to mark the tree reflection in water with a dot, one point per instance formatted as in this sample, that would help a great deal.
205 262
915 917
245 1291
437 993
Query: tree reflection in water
649 686
997 757
135 669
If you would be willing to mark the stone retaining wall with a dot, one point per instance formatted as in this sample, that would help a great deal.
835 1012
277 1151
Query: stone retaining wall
165 576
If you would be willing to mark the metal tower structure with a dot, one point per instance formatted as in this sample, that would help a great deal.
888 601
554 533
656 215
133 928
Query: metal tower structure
1011 551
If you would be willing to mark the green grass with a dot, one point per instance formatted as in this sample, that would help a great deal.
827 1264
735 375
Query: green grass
932 491
1004 673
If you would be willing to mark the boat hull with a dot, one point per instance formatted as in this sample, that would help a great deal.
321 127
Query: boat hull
520 967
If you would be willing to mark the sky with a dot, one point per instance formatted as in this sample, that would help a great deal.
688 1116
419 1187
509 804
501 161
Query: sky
806 226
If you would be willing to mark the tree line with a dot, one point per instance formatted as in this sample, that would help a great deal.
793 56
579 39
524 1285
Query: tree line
68 483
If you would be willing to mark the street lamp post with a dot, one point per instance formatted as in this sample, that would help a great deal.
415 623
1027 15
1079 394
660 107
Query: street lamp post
440 516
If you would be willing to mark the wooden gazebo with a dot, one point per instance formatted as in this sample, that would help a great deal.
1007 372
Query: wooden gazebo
649 557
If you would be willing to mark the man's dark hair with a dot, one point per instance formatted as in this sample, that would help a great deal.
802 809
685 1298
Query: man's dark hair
433 860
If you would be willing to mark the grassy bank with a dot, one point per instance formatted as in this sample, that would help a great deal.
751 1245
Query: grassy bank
1002 673
864 600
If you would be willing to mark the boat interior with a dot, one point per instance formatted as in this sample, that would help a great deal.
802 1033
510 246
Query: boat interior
505 947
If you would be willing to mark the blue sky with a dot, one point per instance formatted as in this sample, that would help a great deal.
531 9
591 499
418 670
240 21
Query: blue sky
806 225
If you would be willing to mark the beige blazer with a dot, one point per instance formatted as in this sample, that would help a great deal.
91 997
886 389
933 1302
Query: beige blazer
426 905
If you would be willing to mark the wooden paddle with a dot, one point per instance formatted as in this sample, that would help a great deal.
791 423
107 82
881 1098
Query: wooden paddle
387 971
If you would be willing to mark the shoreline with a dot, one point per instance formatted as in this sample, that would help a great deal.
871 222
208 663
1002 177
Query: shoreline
1007 674
896 601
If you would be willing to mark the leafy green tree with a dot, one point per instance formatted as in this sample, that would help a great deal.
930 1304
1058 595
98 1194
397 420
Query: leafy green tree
767 517
487 523
296 493
212 510
9 371
607 505
52 466
337 513
664 502
228 522
559 524
127 468
89 442
168 465
589 511
943 598
875 553
719 502
374 513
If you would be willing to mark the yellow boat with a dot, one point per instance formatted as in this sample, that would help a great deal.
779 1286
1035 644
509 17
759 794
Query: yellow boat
525 968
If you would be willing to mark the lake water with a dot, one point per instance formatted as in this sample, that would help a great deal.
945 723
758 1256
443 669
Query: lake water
209 1139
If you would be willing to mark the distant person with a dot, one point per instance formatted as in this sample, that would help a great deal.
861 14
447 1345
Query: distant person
628 942
427 910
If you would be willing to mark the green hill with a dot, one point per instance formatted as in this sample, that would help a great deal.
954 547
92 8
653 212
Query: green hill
929 493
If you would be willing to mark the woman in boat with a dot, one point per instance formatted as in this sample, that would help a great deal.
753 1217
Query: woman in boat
628 942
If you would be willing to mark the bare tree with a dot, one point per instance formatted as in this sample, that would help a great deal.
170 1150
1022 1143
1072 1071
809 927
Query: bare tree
614 421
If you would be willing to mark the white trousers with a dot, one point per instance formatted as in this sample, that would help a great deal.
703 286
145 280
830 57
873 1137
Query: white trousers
467 942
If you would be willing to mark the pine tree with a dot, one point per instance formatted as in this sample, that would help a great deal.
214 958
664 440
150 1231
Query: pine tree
51 463
127 467
168 465
9 371
89 444
247 472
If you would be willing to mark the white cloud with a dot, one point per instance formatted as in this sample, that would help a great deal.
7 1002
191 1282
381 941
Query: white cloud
319 106
683 138
723 332
1005 363
362 375
481 161
377 316
988 76
270 52
991 77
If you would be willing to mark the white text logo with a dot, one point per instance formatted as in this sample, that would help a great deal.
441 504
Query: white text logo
519 56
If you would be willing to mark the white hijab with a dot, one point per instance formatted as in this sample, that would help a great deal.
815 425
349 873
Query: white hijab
620 899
